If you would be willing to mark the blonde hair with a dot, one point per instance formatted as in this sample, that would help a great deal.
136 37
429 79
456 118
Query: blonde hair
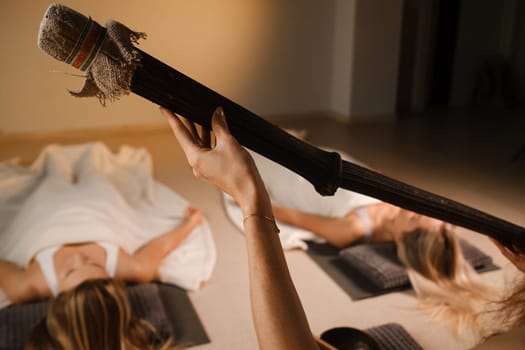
94 315
507 313
447 286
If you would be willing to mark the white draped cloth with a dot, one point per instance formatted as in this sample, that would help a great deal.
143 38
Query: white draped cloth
287 189
85 193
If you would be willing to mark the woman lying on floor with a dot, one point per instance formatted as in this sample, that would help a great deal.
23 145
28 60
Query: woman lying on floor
78 224
279 318
343 219
60 268
446 284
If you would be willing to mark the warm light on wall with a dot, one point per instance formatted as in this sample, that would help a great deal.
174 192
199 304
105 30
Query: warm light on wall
272 57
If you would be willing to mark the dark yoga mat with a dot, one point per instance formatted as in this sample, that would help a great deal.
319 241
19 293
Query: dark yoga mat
183 318
389 336
168 308
352 281
392 336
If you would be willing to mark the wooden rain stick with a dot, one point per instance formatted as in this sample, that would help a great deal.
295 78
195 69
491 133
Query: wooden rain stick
111 61
171 89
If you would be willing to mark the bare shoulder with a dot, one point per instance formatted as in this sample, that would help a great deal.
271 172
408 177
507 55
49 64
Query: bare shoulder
31 283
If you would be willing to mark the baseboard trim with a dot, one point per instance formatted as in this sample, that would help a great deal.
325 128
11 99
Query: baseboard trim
122 130
87 133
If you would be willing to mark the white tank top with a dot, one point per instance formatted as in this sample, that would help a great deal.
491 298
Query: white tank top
362 214
47 265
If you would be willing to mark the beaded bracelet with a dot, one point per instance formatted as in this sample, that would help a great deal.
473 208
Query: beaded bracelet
268 218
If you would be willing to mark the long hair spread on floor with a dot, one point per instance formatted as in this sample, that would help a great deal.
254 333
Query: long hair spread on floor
447 286
94 315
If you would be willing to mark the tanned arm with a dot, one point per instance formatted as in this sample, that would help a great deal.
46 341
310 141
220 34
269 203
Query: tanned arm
338 231
22 285
278 316
143 265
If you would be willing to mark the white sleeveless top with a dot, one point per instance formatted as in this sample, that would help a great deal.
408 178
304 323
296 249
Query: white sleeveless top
362 214
47 265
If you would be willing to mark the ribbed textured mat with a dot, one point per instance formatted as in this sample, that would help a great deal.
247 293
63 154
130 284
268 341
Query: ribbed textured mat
393 336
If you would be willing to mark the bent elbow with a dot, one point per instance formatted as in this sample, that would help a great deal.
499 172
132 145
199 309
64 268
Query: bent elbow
143 273
340 243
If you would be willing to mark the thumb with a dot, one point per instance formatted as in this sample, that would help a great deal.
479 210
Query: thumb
219 124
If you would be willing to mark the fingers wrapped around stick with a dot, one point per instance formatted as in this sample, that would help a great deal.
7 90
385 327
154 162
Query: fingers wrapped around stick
514 256
188 132
192 141
227 165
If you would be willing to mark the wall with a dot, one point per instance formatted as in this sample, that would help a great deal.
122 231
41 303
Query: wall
271 56
344 35
519 51
479 38
375 65
417 56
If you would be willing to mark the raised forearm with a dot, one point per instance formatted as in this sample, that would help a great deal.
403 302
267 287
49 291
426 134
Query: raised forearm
279 318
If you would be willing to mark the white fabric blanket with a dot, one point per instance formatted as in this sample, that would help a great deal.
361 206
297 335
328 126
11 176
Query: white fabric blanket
287 189
81 193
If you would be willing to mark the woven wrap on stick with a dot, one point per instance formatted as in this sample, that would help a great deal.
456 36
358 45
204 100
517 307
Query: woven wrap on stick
114 67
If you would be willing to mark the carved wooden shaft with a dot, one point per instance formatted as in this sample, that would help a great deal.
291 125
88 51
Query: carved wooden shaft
376 185
171 89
